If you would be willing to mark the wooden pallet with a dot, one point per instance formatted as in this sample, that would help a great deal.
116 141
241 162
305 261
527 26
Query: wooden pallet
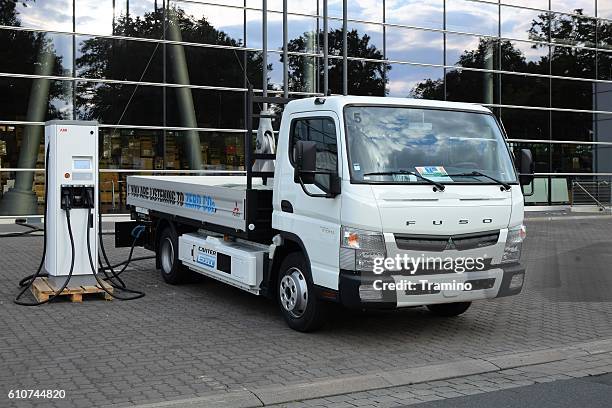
42 289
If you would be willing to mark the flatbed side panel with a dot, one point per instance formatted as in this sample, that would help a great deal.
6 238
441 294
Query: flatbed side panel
188 197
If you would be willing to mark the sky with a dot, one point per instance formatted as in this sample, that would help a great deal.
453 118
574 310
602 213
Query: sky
425 47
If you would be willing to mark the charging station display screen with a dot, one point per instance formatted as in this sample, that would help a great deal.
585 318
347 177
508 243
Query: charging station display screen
82 164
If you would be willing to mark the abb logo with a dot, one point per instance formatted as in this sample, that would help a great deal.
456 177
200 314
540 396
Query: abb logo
63 130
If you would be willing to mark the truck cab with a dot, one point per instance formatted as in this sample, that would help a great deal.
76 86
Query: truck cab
376 203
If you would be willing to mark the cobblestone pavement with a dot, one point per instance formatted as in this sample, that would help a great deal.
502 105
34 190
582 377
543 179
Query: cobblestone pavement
470 385
202 337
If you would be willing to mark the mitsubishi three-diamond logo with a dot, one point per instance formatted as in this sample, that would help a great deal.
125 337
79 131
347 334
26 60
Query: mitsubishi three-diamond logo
450 244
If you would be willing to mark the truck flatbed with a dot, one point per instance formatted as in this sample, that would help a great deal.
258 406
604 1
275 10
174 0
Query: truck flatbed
210 201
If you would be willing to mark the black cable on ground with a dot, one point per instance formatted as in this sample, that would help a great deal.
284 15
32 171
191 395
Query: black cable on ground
60 290
138 294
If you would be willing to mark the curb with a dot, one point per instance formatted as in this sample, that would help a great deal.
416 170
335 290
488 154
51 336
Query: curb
568 217
264 396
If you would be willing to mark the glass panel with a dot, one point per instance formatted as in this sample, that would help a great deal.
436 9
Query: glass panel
366 78
118 104
417 13
471 86
472 52
604 8
136 18
602 93
604 33
574 126
12 139
604 65
416 82
524 91
36 53
306 74
575 158
45 15
540 152
218 150
585 7
573 30
204 23
520 56
304 7
538 4
472 17
275 71
211 109
573 62
603 126
526 124
524 24
106 58
215 66
130 149
404 44
35 100
572 94
367 10
364 41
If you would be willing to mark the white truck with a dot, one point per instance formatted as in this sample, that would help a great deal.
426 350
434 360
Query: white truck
355 180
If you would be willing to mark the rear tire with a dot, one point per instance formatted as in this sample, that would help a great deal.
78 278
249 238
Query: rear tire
172 270
449 309
296 297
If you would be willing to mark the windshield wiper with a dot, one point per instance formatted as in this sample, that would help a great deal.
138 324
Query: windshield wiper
439 186
506 186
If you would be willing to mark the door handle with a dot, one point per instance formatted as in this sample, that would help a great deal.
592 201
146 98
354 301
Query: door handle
286 206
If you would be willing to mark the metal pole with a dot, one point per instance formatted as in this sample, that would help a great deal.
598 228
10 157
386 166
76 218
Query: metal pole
325 50
344 48
264 40
285 53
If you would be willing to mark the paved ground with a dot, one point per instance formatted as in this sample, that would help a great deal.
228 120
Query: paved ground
592 392
202 337
578 381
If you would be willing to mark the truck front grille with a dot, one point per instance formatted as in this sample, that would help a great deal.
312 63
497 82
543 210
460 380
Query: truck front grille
439 243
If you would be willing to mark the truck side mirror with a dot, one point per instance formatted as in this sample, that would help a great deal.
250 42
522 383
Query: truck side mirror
305 161
526 167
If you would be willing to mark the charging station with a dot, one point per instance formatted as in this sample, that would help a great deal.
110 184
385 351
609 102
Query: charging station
72 186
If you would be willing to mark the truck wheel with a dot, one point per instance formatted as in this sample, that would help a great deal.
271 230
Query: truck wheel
300 307
167 251
449 309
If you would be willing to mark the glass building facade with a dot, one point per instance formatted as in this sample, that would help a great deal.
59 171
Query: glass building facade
167 80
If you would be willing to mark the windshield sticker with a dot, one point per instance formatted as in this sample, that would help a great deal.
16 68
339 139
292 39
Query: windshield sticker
435 173
356 167
404 177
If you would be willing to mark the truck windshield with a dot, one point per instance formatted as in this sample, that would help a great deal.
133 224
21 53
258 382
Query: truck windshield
387 143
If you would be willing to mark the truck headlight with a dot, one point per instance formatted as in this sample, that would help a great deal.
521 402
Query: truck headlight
514 244
359 248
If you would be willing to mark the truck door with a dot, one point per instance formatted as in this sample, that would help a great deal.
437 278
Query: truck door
315 220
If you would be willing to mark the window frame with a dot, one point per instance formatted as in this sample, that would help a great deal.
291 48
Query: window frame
291 143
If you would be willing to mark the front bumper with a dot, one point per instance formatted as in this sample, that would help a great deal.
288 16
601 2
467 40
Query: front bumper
357 290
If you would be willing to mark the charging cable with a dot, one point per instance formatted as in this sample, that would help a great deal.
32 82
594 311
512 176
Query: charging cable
28 281
137 294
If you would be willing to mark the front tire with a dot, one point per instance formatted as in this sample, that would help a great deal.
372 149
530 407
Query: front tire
172 270
449 309
296 298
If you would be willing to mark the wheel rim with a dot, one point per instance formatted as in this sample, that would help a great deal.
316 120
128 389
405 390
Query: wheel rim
167 255
293 292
